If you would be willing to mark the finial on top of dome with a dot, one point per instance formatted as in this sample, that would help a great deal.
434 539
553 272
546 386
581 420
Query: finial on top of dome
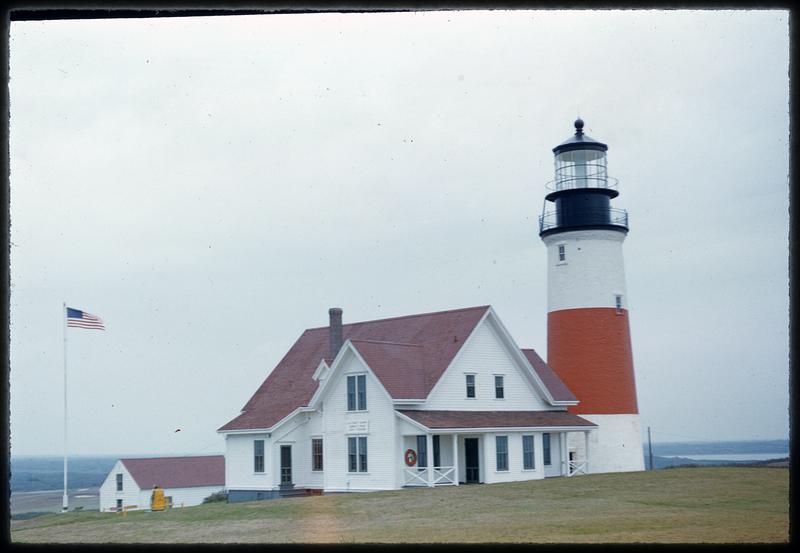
579 126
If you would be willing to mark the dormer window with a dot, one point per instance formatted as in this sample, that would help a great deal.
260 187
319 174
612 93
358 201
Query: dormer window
357 392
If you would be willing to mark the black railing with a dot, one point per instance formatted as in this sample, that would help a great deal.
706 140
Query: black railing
584 217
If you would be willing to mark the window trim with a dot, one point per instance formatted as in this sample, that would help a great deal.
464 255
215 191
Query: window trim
497 441
257 457
314 455
359 440
357 393
532 452
502 386
474 386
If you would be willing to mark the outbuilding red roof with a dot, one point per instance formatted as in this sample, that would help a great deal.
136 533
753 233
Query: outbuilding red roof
495 419
408 354
177 472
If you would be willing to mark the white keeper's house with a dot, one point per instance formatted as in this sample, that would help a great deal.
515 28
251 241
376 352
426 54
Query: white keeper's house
186 481
449 398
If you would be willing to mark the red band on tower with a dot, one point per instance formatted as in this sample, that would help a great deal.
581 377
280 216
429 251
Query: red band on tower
590 350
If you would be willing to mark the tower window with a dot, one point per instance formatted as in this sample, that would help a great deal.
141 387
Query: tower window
562 252
618 302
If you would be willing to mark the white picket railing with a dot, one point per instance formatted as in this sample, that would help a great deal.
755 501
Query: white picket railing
577 467
442 476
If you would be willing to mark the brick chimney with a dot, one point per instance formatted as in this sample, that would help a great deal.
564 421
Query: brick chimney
335 330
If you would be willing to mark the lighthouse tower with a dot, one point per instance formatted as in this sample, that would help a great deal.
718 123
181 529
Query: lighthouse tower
588 336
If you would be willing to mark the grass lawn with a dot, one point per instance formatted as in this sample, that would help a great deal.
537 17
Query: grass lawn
719 504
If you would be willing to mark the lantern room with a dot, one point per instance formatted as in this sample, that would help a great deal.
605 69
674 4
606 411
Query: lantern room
581 189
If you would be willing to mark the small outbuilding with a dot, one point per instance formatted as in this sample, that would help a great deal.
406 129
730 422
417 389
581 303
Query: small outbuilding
186 481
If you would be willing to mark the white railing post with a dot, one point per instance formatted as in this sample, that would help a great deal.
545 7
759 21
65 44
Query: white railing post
586 455
429 458
455 459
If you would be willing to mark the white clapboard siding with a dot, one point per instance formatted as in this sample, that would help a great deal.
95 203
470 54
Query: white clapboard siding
239 474
485 356
382 459
181 497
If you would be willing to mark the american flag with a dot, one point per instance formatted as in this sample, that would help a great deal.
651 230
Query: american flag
80 319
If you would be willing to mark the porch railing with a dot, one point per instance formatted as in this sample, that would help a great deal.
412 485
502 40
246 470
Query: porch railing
577 467
442 476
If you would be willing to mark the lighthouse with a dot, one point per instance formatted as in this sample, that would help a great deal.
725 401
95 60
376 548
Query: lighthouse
588 333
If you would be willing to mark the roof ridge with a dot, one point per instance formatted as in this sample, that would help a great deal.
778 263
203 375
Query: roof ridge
170 457
408 316
387 342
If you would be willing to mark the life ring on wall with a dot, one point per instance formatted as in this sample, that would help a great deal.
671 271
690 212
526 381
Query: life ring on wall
411 457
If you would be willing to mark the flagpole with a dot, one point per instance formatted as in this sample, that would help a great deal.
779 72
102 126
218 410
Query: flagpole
65 502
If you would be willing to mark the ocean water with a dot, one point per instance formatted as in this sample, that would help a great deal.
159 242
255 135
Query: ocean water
731 456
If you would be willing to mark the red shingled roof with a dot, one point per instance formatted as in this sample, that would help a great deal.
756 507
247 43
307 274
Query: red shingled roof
408 354
552 382
439 336
495 419
177 472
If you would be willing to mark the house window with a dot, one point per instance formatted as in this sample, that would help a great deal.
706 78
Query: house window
119 482
258 455
498 387
527 453
436 456
422 452
618 302
357 392
501 443
357 453
119 504
470 385
316 454
562 253
546 448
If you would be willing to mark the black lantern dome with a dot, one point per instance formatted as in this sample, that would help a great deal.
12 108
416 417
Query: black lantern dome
582 189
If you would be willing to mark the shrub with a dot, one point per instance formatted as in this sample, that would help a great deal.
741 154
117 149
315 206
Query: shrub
216 497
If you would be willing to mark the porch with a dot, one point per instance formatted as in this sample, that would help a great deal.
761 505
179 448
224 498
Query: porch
452 459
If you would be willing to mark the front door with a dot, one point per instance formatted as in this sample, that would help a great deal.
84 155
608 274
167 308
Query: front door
471 460
286 464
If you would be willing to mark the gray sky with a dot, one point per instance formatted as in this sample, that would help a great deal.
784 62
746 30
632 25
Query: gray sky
210 186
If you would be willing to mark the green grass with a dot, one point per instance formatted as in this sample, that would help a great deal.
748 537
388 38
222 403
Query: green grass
720 504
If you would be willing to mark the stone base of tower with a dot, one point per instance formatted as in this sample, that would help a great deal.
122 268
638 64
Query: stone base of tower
615 446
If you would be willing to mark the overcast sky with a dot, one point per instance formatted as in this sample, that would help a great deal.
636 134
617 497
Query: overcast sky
210 186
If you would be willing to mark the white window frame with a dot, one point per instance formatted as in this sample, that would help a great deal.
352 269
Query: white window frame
497 454
263 457
321 454
474 385
359 468
533 452
357 404
502 378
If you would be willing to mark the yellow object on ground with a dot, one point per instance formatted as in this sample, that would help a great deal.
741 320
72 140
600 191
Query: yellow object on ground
157 501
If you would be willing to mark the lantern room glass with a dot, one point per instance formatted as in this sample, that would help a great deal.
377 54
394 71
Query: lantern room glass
581 169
